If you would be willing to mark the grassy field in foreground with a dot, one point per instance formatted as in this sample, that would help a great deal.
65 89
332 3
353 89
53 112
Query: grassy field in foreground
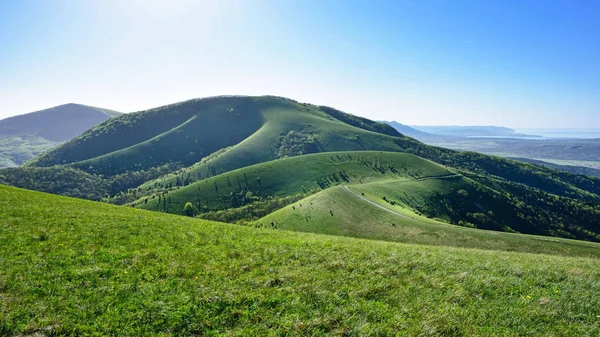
73 267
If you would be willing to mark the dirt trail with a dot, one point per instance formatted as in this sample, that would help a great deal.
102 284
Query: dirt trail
376 204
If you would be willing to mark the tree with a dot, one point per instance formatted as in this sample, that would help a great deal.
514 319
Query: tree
188 209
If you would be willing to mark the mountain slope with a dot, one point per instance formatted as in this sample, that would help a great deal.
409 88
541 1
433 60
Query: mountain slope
56 124
350 211
420 186
410 132
258 129
220 134
25 136
179 148
73 267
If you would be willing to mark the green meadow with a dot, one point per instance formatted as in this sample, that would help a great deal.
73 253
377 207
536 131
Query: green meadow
74 267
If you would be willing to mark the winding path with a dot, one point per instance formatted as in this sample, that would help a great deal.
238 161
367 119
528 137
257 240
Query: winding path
394 212
375 204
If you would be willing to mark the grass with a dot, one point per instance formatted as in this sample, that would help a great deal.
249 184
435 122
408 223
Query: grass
280 118
73 267
291 176
341 211
421 186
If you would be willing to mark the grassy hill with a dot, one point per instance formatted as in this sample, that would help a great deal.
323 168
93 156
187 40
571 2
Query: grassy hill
163 158
349 211
292 176
216 135
25 136
418 185
74 267
257 129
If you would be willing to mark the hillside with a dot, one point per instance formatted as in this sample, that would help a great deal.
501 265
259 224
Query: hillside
57 124
258 129
178 149
215 135
421 186
348 211
74 267
25 136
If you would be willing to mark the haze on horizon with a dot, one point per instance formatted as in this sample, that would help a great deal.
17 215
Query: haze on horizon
520 64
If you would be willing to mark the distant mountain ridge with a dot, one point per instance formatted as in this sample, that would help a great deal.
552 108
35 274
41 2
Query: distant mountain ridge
409 131
57 124
23 137
471 131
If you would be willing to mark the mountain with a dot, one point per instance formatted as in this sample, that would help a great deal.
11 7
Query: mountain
409 131
420 189
25 136
471 131
239 159
76 268
504 142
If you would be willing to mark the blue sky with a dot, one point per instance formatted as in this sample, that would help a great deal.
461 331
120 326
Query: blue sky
521 64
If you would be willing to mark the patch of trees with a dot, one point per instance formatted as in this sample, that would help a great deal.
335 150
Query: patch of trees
296 144
57 180
501 205
253 211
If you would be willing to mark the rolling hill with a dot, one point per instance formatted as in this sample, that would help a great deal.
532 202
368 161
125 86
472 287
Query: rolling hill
25 136
229 157
75 267
418 185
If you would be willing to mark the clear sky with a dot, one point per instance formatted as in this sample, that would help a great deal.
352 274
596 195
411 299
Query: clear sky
448 62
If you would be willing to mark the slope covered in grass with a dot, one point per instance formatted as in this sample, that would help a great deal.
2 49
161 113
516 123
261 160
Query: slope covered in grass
291 176
73 267
422 186
191 130
359 211
201 138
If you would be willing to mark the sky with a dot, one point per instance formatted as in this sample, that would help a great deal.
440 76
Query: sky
520 64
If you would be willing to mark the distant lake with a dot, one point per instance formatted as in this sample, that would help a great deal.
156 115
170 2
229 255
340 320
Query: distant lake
562 133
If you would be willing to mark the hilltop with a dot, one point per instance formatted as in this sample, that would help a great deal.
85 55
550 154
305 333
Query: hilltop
25 136
75 267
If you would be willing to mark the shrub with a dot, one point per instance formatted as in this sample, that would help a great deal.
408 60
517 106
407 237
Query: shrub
188 209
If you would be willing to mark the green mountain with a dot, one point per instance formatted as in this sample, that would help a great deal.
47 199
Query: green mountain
25 136
229 158
404 181
73 267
